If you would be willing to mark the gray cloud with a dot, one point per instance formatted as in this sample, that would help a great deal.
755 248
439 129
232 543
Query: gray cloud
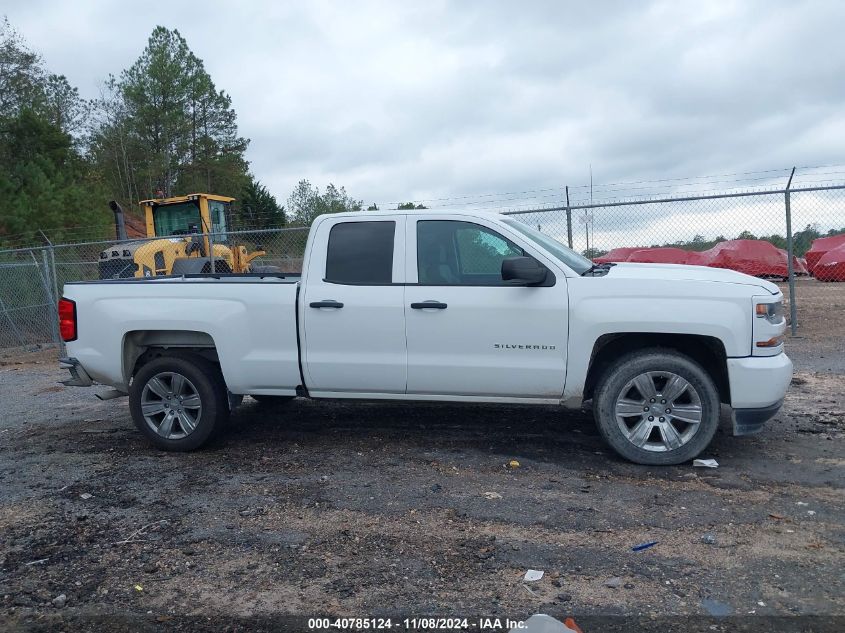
398 100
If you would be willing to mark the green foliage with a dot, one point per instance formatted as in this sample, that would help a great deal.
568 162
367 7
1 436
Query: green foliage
801 240
22 74
592 253
258 207
410 206
372 207
164 128
306 202
45 183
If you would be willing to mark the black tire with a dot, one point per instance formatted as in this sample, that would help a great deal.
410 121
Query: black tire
271 401
221 267
205 379
615 384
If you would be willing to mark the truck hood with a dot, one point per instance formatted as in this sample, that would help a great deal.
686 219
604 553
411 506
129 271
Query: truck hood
678 272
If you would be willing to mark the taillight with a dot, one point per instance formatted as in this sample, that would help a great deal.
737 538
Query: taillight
67 319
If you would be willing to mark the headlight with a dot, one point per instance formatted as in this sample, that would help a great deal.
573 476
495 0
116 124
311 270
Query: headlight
772 312
768 328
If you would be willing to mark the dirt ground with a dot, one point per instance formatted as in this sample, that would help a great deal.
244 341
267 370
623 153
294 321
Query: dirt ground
388 509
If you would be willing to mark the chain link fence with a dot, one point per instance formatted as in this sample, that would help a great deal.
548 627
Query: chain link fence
751 232
31 279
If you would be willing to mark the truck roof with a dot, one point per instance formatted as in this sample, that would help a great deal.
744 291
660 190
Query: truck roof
393 212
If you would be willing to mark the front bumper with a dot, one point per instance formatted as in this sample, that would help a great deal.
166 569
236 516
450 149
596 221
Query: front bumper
750 421
758 385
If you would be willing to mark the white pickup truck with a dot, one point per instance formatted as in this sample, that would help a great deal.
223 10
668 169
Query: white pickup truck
441 306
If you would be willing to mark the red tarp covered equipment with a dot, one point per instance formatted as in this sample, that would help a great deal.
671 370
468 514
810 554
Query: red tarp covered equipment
752 257
615 256
831 266
660 256
820 246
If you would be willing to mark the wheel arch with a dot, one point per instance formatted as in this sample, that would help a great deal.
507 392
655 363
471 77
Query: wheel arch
141 346
707 351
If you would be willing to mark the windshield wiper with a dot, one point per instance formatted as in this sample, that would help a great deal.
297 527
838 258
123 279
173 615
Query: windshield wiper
598 270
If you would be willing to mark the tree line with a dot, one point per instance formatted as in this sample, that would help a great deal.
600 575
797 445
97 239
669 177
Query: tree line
159 128
801 241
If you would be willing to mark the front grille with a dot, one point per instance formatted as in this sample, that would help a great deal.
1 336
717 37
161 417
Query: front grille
117 268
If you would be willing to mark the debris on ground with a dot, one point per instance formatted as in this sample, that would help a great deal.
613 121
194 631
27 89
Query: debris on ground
705 463
379 525
642 546
533 574
86 496
716 608
251 512
492 495
613 583
708 539
512 465
59 601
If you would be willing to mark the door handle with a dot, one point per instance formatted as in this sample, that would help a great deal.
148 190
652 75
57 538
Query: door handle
327 303
427 305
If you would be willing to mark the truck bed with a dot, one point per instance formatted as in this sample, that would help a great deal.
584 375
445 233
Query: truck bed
248 319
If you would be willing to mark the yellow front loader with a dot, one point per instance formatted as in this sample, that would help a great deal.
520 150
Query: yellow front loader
192 236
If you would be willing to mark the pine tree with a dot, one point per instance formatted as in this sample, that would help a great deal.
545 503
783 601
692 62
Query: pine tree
165 129
258 207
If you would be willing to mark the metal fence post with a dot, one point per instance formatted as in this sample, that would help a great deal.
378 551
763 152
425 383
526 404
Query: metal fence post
49 290
789 257
568 218
51 274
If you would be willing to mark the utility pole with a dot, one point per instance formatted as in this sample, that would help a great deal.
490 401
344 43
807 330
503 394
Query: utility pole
568 218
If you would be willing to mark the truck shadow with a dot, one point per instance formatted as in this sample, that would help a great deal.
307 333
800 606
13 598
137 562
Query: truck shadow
548 434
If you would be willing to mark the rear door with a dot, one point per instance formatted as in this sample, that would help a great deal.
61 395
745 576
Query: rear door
469 332
353 311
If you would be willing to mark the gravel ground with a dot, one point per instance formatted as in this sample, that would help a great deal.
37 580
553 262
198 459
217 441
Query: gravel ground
359 509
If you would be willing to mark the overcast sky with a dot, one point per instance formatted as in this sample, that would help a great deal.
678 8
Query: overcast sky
421 100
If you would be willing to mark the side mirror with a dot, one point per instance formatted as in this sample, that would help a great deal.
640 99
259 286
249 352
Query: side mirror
523 271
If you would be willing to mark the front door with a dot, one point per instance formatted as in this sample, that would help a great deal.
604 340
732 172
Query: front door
353 312
469 332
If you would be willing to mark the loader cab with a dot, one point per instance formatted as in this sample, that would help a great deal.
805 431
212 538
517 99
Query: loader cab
181 231
184 215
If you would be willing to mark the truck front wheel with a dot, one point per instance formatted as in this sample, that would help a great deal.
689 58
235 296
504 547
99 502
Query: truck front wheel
656 407
178 402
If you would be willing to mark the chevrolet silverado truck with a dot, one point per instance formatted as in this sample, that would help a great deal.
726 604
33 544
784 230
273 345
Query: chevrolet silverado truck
440 306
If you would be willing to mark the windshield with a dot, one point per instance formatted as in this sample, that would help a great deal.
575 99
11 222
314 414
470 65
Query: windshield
576 262
177 219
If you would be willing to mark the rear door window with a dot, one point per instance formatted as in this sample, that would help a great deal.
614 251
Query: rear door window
360 253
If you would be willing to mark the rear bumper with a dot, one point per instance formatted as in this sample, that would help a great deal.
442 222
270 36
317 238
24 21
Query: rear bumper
758 385
78 376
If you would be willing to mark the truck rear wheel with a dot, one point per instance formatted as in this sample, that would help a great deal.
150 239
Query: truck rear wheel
657 407
178 402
